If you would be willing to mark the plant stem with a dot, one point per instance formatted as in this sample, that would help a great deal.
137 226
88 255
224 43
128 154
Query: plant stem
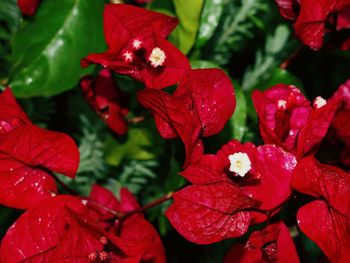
148 206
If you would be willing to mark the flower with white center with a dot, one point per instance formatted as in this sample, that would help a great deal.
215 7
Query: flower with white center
240 163
137 44
319 102
128 56
282 104
157 57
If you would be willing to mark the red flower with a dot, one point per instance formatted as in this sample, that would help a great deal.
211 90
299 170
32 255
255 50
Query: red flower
340 123
272 244
268 175
28 7
312 16
196 108
325 220
137 46
256 170
229 186
287 119
106 99
28 155
66 228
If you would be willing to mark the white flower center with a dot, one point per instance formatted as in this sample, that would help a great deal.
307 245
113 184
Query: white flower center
240 163
128 56
319 102
282 104
157 57
137 44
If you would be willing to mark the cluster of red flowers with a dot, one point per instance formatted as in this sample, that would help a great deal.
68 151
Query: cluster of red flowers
239 186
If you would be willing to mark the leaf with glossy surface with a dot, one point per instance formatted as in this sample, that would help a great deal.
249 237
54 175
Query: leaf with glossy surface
210 17
188 13
47 51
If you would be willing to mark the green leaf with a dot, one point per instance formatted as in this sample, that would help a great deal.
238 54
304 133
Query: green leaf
47 50
238 120
195 64
212 11
140 144
278 76
188 13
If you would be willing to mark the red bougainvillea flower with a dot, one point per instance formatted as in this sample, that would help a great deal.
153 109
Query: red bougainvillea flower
197 108
66 228
325 220
340 124
228 187
258 171
106 99
137 46
312 16
28 7
28 154
272 244
287 119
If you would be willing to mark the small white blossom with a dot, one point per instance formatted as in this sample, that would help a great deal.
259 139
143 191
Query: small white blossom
157 57
240 163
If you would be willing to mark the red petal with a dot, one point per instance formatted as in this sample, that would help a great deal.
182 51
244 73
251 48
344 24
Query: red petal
209 169
123 23
275 167
28 7
27 153
50 232
272 244
326 222
328 228
343 19
316 128
106 99
172 118
310 25
104 197
11 114
209 213
288 8
213 99
323 181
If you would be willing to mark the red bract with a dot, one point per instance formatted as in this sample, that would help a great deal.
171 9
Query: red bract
137 46
197 108
57 230
66 228
340 123
287 119
311 17
134 236
272 244
212 212
28 155
326 220
106 99
11 114
28 7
